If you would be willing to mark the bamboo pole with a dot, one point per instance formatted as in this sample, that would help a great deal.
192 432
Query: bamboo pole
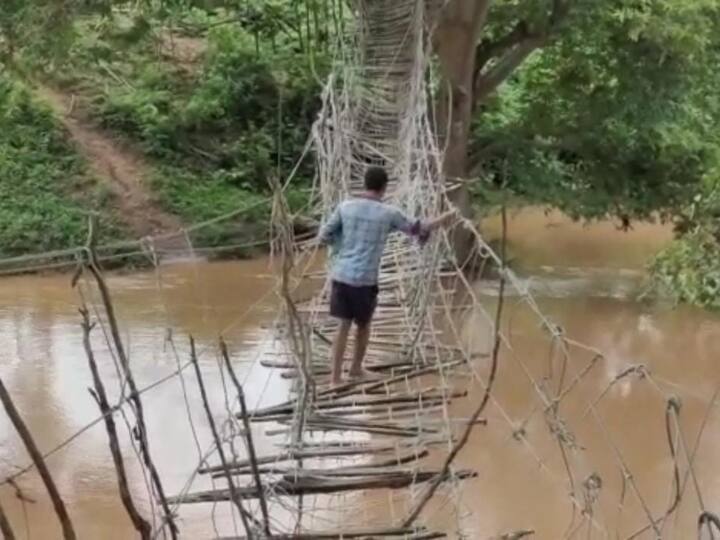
320 452
418 397
37 458
5 526
314 486
248 437
93 265
355 470
432 488
406 534
141 525
234 496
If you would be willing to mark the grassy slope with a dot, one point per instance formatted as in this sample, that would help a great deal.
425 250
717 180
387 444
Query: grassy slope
45 190
205 119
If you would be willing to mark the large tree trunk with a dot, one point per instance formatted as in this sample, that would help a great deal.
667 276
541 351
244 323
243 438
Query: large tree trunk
455 40
472 69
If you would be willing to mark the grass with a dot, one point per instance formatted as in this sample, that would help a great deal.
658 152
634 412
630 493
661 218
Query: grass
45 190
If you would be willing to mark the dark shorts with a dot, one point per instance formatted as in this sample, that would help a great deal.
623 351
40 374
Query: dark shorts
353 303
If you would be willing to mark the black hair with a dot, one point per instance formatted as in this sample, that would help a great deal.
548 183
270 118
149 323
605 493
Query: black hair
375 179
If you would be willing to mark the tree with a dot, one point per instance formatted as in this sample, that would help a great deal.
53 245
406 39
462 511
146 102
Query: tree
604 73
42 25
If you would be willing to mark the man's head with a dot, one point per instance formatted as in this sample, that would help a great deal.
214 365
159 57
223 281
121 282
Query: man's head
376 179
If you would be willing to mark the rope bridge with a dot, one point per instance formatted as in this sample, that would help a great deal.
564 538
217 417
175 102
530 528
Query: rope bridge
374 110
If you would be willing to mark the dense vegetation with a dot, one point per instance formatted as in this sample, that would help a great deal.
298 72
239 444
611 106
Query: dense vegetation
217 129
45 192
214 107
602 109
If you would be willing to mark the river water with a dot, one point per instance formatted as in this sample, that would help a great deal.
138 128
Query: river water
585 279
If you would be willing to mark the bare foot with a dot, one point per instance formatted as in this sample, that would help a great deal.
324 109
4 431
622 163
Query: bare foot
363 374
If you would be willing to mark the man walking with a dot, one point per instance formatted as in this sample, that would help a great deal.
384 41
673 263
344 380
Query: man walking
357 232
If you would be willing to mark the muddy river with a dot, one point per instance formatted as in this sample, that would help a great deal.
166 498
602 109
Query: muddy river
586 279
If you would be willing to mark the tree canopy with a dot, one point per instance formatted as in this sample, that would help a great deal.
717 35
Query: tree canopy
600 108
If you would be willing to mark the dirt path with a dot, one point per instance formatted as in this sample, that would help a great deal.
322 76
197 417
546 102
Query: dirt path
121 169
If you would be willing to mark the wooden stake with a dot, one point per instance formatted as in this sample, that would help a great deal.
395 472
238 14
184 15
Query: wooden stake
141 525
248 437
5 526
234 496
31 447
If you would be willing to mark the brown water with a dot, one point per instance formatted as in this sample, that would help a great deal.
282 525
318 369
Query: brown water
585 279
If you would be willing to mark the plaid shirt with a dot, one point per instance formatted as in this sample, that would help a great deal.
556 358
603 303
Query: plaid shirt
357 231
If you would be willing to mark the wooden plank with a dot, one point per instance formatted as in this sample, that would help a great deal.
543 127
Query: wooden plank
320 486
317 452
407 534
355 470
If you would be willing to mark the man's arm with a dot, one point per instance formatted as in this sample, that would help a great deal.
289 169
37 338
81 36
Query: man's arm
422 228
331 228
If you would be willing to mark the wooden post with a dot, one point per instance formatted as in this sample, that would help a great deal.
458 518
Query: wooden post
248 438
5 526
234 495
93 265
29 442
140 524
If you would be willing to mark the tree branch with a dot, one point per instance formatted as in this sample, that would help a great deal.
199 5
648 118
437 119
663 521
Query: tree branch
511 50
489 49
39 460
486 83
93 265
142 526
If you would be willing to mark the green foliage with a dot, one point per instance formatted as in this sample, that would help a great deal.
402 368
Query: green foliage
195 200
239 113
689 270
216 128
616 117
40 179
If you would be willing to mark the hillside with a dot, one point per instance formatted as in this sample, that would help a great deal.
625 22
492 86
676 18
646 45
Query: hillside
47 187
171 128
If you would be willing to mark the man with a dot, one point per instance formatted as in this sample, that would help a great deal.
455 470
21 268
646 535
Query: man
358 230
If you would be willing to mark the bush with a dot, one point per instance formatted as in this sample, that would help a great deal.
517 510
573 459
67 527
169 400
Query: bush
242 113
689 270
